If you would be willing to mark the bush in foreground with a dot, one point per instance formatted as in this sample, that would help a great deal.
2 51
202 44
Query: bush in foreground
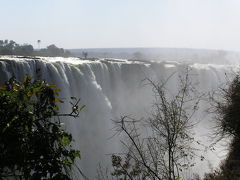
32 143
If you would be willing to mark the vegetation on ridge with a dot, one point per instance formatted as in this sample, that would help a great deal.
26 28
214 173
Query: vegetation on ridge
12 48
227 110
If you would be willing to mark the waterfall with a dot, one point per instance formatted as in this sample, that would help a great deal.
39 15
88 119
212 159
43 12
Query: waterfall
110 88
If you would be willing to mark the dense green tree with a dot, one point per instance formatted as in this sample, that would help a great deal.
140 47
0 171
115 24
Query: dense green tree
52 50
228 114
12 48
226 106
7 47
33 144
24 50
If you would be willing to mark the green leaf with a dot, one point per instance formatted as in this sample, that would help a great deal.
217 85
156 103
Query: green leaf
2 88
82 107
52 85
56 90
77 154
58 100
65 141
30 93
67 162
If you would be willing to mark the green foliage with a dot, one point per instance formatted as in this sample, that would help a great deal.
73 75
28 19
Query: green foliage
228 126
52 50
228 109
32 143
178 178
12 48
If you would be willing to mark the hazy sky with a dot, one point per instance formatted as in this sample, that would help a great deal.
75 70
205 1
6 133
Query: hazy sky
209 24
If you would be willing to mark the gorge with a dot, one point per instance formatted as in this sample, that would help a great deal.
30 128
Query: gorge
113 87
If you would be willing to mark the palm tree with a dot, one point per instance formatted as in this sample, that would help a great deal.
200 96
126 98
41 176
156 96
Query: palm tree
39 41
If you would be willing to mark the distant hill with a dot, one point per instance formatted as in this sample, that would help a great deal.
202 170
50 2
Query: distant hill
162 54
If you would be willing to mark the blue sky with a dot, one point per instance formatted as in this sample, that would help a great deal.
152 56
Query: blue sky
208 24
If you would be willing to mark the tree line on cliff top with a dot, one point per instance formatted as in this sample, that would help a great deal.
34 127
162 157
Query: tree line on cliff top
10 47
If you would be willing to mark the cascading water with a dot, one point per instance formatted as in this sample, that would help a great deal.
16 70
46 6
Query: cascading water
109 89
